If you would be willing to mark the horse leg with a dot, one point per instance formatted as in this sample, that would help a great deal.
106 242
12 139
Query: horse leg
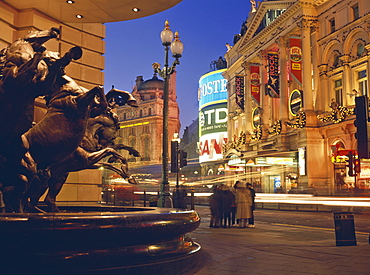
12 194
55 185
131 150
37 188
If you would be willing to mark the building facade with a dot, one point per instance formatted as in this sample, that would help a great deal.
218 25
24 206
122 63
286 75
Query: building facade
142 127
293 75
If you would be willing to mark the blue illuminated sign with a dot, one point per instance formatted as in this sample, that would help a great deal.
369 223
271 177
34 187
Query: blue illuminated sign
212 89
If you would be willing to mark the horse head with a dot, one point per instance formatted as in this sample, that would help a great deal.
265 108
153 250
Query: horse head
117 97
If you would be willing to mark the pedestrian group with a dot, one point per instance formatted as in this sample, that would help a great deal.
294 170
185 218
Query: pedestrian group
232 207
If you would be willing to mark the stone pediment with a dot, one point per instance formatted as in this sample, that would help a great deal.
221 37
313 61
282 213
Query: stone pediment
266 14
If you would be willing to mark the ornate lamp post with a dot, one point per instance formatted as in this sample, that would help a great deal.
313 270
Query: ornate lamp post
177 48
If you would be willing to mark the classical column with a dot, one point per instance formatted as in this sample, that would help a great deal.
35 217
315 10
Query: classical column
247 93
348 93
367 47
266 101
323 104
306 66
284 88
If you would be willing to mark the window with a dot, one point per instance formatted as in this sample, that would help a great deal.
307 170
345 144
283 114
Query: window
150 112
332 25
338 92
360 49
146 154
336 60
124 116
141 113
355 12
362 82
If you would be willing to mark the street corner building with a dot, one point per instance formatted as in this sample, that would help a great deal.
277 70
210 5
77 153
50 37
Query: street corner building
294 74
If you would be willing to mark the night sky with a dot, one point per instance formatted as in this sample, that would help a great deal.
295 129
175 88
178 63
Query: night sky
204 26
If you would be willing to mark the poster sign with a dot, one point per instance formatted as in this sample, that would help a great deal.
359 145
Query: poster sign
295 53
239 91
273 84
255 83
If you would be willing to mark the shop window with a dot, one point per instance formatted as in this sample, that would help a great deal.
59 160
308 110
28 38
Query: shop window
355 12
338 89
362 82
332 25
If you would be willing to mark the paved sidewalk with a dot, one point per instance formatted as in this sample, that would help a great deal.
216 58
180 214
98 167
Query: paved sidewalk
276 249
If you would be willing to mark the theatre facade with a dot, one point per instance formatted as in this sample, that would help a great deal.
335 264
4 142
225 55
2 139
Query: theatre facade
293 75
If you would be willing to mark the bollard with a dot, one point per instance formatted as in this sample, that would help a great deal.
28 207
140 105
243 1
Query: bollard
192 198
344 229
144 197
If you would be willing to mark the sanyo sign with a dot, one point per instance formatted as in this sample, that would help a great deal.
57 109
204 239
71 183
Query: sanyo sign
212 88
210 146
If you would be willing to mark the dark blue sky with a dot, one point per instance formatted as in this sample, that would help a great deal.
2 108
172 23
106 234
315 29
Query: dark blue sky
204 26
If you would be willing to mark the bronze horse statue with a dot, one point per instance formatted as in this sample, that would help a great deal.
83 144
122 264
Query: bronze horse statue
27 71
57 134
97 144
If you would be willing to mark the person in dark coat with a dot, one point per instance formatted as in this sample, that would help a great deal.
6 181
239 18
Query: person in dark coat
233 208
215 206
226 203
253 195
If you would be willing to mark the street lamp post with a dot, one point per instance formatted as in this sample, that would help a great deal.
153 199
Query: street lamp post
177 48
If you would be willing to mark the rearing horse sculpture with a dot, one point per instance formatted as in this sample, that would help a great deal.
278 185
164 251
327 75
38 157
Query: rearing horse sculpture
97 144
27 71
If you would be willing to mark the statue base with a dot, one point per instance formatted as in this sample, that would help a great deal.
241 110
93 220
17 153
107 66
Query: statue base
99 240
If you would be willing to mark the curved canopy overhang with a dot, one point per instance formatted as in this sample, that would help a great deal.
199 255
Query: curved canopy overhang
95 11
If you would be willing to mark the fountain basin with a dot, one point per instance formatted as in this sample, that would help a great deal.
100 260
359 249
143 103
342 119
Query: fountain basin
98 239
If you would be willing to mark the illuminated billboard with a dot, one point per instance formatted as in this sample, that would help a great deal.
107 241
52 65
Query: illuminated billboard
213 115
210 146
212 89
